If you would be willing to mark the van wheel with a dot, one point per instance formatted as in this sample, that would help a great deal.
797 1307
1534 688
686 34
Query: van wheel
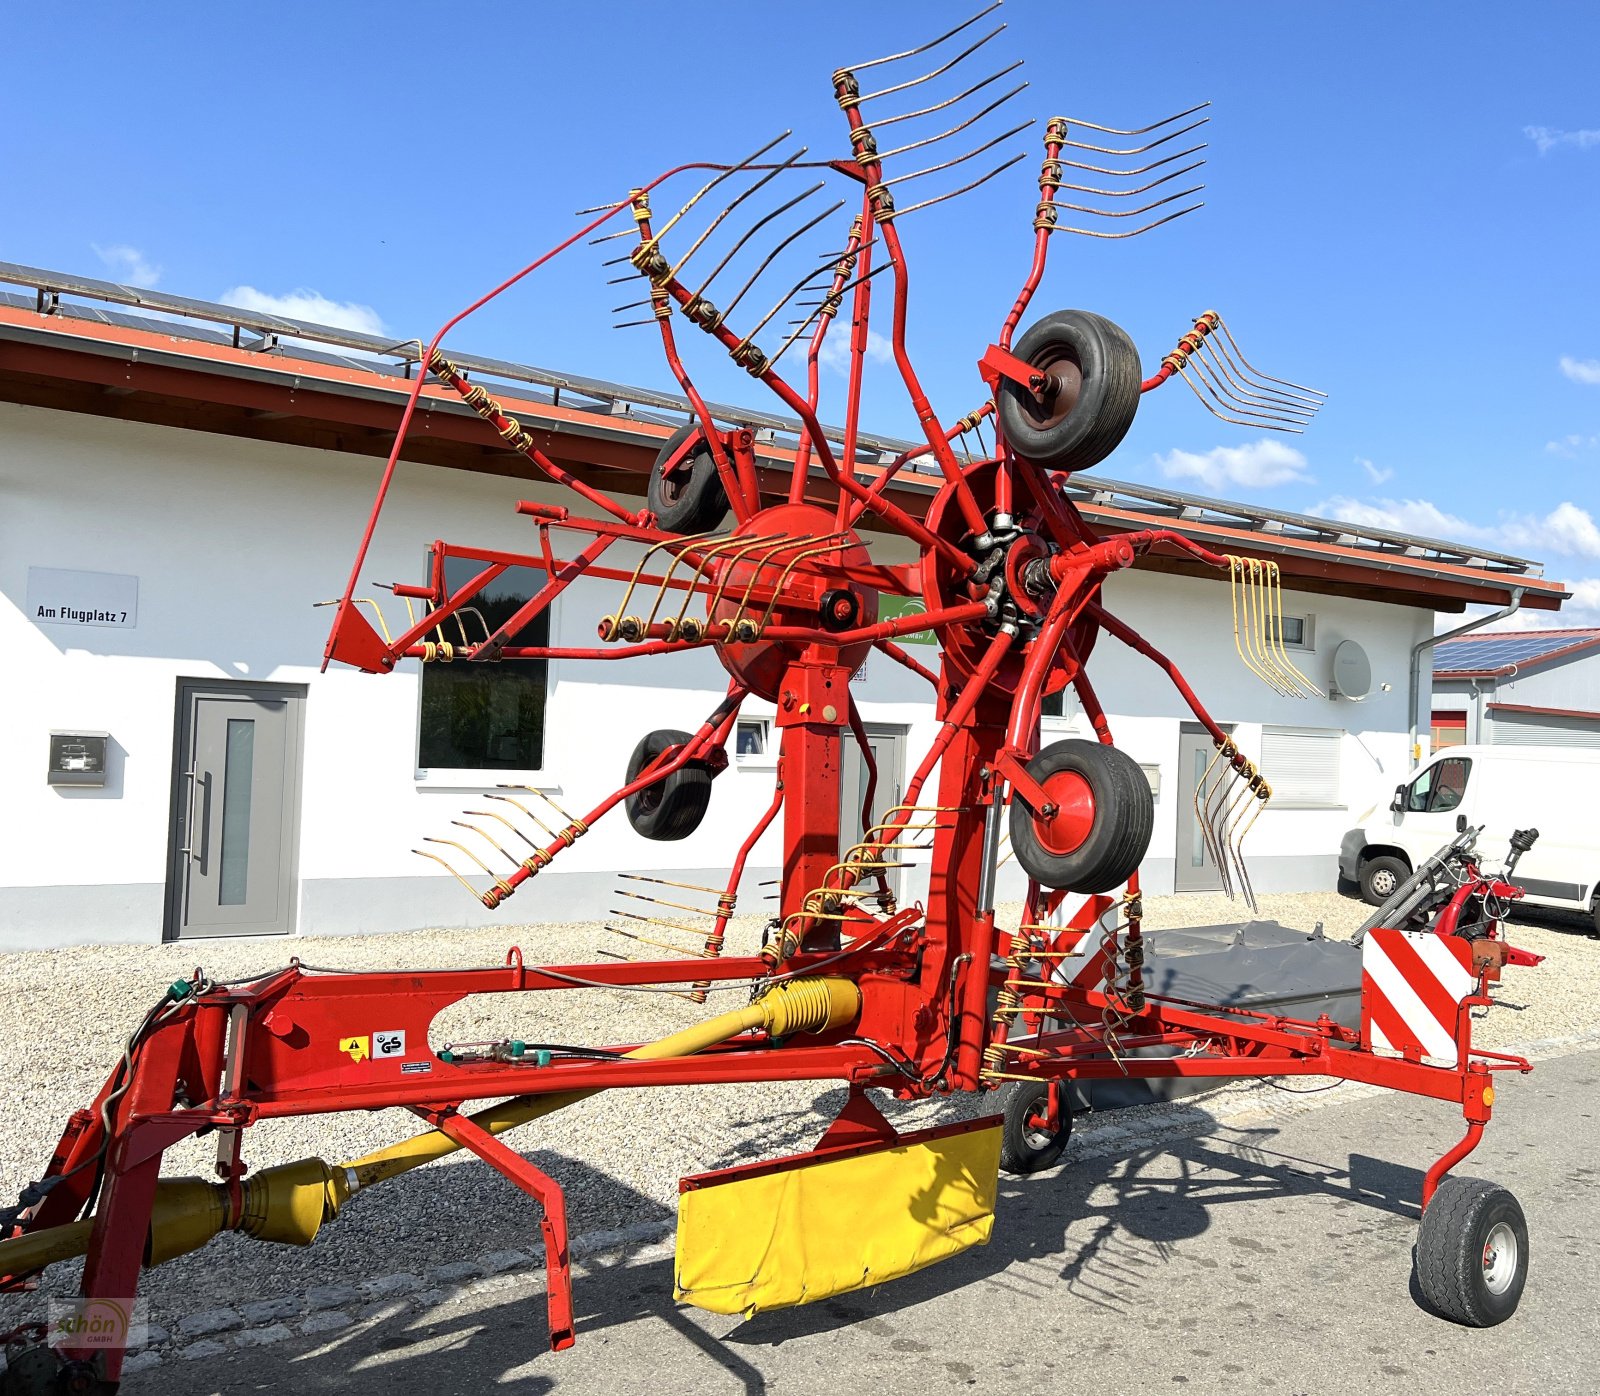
1381 878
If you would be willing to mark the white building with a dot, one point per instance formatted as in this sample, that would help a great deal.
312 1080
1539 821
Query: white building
1518 687
194 486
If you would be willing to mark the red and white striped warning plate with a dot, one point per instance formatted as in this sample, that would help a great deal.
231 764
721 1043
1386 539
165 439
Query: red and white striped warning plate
1412 984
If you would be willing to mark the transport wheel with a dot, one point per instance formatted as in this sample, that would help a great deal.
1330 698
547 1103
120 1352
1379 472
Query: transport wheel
1027 1143
1472 1252
691 499
671 808
1104 817
1380 877
1089 403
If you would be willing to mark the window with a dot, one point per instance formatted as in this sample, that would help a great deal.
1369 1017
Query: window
1439 789
1297 631
490 716
1302 766
750 738
1054 704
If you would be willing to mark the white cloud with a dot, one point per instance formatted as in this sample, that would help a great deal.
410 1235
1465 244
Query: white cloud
1549 138
1378 474
1572 444
835 351
1582 609
129 264
1259 465
304 304
1566 529
1581 370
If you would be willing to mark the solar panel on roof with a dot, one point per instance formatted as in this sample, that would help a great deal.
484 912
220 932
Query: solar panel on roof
1496 652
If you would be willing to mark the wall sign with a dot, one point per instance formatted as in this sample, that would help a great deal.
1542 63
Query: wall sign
58 596
77 758
893 607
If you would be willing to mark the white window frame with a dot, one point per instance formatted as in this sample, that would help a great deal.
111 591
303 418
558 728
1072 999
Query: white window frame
1308 632
756 761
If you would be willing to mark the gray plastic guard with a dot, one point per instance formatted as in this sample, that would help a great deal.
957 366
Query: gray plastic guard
1255 964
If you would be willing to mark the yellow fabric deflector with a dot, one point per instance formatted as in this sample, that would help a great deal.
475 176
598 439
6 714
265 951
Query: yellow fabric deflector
813 1230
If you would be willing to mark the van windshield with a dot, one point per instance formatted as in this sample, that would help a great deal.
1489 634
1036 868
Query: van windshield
1440 788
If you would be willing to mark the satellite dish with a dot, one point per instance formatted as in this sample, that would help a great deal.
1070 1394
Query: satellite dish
1352 671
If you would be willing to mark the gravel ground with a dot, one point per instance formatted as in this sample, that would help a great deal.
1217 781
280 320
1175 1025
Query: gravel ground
619 1165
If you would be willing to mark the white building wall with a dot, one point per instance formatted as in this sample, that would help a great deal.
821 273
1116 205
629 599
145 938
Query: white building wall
233 540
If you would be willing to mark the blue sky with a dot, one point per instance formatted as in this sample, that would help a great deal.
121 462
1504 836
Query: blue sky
1401 206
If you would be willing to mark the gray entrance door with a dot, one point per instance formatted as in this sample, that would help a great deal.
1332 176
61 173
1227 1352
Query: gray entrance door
236 810
887 745
1196 870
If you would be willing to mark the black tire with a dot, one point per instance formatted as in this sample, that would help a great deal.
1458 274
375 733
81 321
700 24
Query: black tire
1472 1252
1082 421
1025 1147
691 499
1381 877
1097 843
672 808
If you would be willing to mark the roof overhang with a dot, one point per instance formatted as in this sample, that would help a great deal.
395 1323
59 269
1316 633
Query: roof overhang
149 372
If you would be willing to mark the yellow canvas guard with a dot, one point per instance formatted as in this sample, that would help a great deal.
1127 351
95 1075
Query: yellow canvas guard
796 1230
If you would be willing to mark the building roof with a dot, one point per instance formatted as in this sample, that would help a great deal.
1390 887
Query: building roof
1498 653
95 346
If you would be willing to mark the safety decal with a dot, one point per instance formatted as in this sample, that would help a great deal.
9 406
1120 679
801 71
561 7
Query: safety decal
355 1048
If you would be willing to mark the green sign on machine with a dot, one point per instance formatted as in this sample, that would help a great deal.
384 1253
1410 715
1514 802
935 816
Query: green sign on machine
893 607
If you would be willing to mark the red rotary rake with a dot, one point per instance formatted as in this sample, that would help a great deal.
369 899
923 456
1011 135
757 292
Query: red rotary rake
847 984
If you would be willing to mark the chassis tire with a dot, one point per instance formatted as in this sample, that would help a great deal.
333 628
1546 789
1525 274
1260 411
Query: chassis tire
672 808
1026 1144
1472 1252
1380 877
691 499
1105 816
1082 421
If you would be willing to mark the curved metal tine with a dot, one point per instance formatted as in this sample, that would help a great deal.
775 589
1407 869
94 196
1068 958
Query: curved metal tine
923 48
828 543
1223 364
987 145
490 814
1202 795
519 805
632 305
1140 130
765 179
476 894
965 188
735 545
1132 232
1254 421
782 545
429 838
753 230
618 261
612 237
1139 149
881 122
1129 193
955 130
711 184
633 324
1256 406
772 256
709 545
462 824
733 559
1138 169
811 319
1129 212
618 280
602 208
1282 382
937 72
829 267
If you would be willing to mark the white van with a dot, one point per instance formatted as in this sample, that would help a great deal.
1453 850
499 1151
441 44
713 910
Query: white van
1504 788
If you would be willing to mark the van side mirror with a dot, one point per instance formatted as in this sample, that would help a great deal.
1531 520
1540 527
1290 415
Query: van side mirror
1398 804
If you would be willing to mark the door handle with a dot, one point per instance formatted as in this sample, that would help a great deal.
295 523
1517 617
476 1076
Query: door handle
188 826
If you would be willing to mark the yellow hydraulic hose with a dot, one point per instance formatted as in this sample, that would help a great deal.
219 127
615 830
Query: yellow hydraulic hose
289 1203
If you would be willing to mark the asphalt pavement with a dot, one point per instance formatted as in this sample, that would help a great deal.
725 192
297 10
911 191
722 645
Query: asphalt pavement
1271 1256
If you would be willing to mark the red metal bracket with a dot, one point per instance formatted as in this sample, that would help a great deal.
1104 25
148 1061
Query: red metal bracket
544 1190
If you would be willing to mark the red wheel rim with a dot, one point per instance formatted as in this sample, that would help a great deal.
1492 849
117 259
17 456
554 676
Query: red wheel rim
1073 798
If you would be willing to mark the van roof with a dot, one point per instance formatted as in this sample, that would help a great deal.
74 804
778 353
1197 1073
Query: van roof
1567 754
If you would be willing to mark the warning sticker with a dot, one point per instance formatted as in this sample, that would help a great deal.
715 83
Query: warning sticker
388 1044
355 1048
